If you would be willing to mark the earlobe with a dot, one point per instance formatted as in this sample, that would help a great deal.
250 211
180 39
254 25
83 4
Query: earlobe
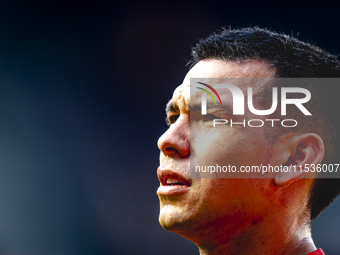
305 150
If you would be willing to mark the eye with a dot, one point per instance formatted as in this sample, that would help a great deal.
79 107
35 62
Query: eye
172 119
209 117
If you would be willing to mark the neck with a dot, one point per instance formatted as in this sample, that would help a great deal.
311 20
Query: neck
303 247
287 237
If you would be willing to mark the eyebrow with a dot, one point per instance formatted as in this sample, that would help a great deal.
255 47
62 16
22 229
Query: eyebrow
171 107
211 105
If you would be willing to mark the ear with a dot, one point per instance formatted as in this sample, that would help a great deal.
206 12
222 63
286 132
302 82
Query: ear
302 150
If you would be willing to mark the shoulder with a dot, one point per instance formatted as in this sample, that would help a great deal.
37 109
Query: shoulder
317 252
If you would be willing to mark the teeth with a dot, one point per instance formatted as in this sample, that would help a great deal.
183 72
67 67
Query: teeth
171 181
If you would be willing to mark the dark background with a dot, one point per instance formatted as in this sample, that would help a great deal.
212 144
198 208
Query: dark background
82 93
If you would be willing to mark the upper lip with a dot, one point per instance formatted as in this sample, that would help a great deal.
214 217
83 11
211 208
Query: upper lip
165 174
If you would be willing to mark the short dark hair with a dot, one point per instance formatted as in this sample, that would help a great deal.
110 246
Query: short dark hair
289 57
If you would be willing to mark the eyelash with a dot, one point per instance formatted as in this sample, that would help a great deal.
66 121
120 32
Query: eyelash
209 117
172 119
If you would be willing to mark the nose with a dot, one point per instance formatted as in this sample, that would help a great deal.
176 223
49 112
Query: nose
175 142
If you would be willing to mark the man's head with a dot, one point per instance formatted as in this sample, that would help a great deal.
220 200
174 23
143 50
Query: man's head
205 209
289 58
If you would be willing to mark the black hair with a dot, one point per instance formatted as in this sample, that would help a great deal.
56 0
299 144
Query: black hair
289 57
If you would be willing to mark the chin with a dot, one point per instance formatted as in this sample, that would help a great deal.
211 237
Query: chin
166 224
173 221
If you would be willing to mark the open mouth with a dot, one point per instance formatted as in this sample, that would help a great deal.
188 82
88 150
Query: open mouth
169 177
172 182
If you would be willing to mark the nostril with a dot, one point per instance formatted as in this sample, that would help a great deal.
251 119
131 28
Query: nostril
172 149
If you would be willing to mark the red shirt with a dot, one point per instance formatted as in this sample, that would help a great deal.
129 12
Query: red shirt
317 252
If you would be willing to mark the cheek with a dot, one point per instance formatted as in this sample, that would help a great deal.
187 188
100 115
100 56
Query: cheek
232 148
213 148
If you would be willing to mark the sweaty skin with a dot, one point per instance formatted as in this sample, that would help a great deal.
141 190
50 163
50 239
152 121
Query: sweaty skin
229 215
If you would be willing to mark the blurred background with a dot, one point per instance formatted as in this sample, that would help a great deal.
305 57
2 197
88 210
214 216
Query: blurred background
83 87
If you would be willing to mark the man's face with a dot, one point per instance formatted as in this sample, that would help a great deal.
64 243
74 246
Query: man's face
192 205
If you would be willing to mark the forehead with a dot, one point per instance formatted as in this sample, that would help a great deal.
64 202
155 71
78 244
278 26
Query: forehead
214 68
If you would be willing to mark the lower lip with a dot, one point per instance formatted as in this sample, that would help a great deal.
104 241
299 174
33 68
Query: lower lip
172 190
